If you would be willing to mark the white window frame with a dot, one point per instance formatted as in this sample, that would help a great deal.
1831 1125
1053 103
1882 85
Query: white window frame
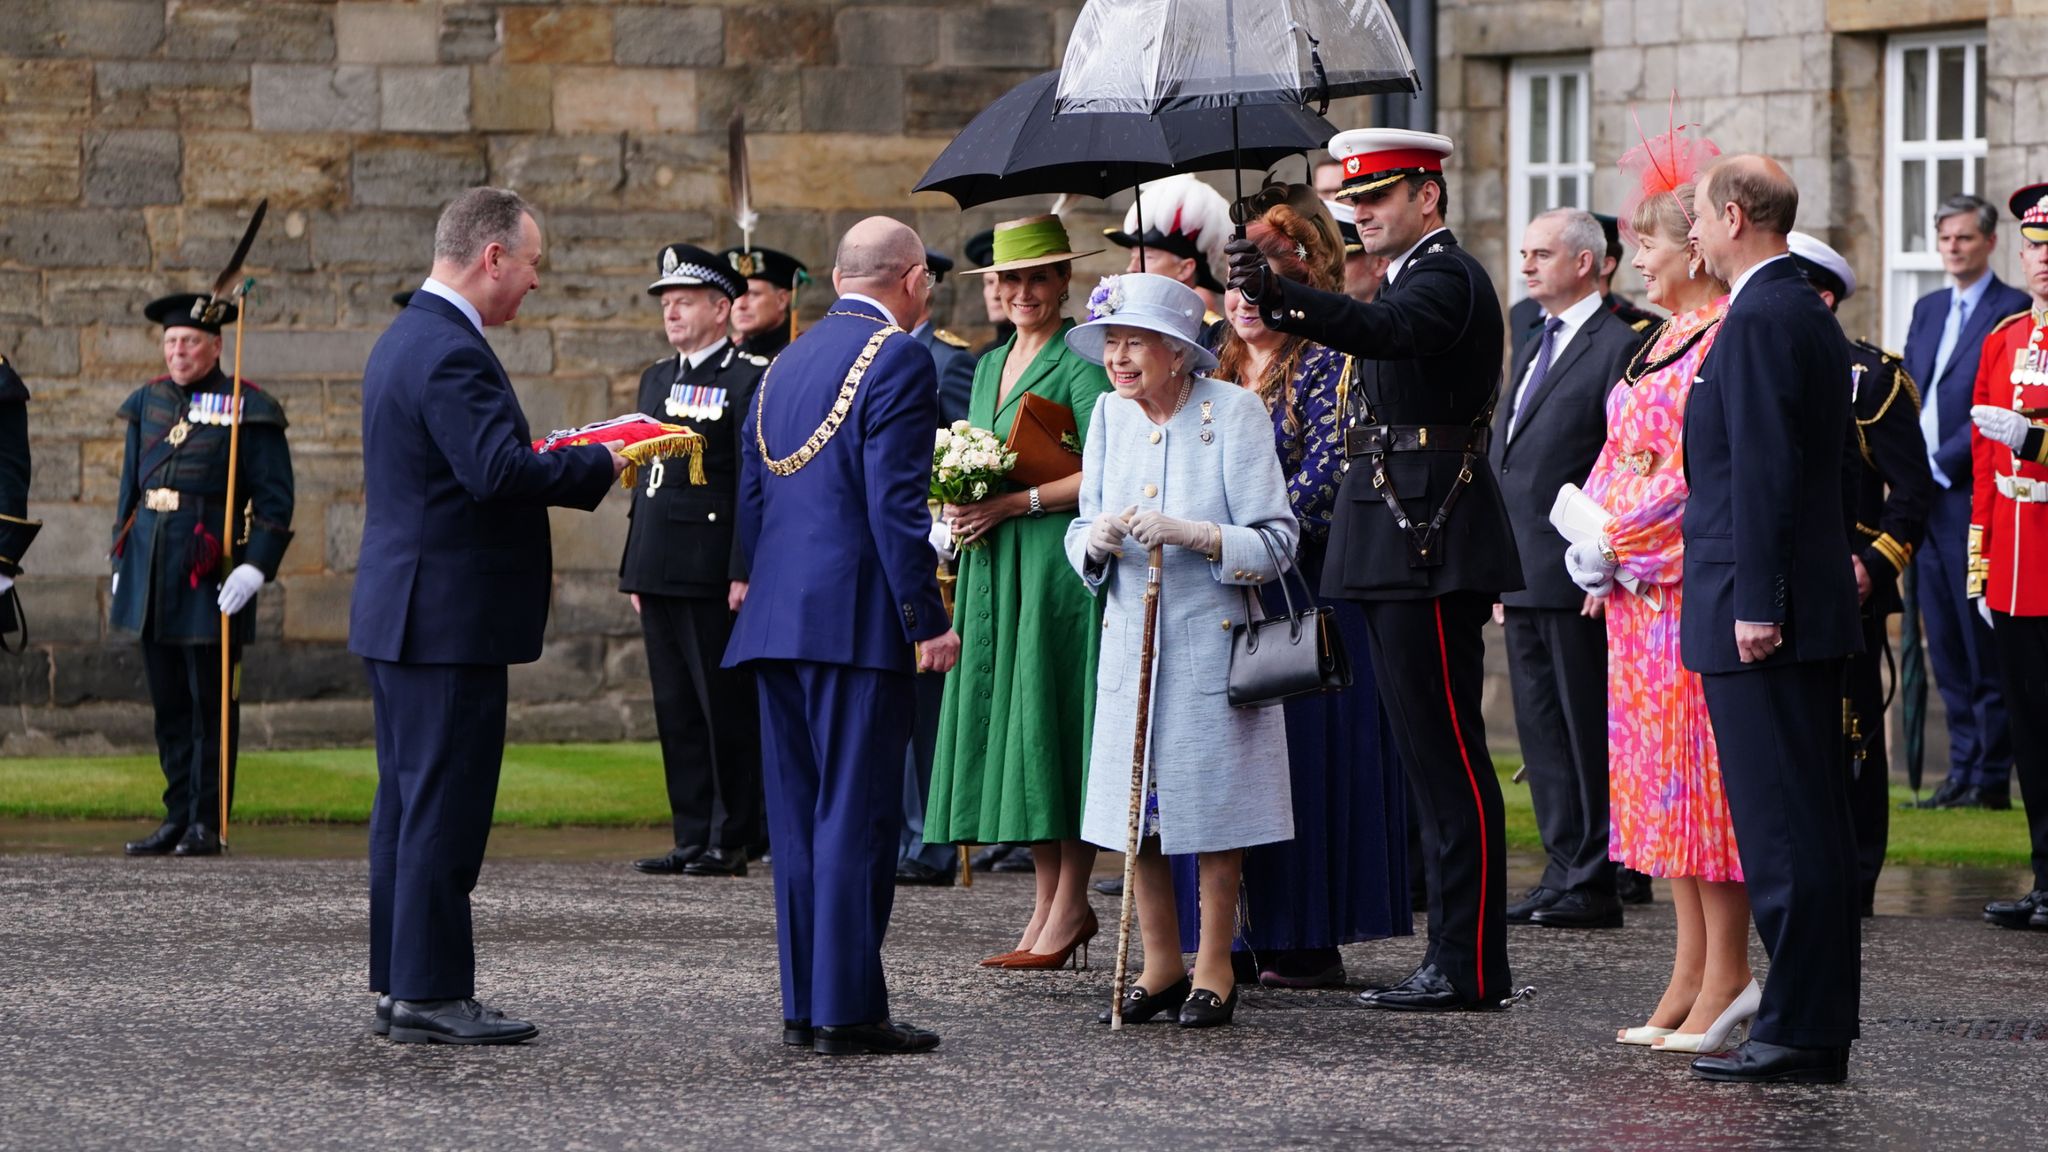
1522 73
1900 266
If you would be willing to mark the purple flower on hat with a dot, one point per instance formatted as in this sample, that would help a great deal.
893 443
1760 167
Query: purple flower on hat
1107 298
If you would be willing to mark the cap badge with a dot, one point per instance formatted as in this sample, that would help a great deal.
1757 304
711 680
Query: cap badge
668 261
743 263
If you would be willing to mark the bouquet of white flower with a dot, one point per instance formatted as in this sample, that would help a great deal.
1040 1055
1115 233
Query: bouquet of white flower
967 463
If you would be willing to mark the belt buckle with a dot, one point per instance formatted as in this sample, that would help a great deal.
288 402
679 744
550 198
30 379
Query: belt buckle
161 499
2023 489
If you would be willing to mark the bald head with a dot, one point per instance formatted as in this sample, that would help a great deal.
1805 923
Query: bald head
1760 187
877 258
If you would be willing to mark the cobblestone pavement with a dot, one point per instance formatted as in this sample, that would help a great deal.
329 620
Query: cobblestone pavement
220 1004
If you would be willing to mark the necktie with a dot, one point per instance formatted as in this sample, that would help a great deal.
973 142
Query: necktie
1537 371
1930 413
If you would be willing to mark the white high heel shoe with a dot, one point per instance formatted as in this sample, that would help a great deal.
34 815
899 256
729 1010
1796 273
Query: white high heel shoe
1714 1038
1645 1035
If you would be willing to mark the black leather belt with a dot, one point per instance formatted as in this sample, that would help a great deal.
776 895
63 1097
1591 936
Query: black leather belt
1379 438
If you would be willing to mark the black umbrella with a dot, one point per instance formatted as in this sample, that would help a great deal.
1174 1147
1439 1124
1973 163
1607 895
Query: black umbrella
1017 146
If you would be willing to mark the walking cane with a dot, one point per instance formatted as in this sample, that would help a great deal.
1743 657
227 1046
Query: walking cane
1139 743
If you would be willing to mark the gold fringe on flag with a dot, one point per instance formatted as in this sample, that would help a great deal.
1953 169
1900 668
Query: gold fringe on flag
667 446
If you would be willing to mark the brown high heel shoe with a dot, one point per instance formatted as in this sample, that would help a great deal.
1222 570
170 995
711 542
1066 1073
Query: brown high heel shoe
1001 959
1049 960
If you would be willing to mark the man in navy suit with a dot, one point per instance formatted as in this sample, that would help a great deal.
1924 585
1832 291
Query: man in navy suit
842 609
1947 332
451 586
1771 615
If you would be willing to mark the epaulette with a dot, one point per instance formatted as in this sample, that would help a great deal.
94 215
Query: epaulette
1883 356
260 407
755 360
1641 324
2009 319
945 337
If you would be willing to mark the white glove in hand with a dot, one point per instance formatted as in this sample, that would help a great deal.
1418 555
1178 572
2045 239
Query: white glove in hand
114 585
1151 527
240 585
1984 610
1589 569
2001 424
941 538
1106 536
6 582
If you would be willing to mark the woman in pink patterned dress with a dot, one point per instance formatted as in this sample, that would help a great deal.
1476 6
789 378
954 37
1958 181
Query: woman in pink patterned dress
1669 817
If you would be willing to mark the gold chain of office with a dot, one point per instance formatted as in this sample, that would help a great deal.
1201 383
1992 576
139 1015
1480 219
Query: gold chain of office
793 463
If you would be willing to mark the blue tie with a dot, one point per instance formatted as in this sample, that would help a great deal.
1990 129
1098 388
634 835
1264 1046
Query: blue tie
1930 414
1544 353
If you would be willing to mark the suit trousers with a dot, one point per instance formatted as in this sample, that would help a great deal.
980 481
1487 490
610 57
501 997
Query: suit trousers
440 744
917 779
1779 730
1959 649
709 722
833 738
1557 667
1430 658
1870 802
2022 643
184 689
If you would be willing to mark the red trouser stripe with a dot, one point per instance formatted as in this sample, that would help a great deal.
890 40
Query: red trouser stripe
1444 655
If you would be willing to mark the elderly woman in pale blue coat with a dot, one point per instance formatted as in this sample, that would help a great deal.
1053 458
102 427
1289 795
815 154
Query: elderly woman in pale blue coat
1177 459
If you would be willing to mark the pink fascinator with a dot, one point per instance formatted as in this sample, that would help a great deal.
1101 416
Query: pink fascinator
1659 166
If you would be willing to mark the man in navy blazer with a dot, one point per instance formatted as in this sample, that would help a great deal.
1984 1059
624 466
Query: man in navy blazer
1771 615
452 585
1947 332
842 609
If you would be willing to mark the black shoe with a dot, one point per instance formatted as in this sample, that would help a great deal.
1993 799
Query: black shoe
798 1033
917 872
671 864
718 862
1109 886
1633 887
1017 861
198 840
1427 990
1537 897
1205 1009
2039 920
883 1039
157 843
2018 913
1580 908
1755 1062
455 1022
382 1024
1140 1005
1944 796
1992 799
985 858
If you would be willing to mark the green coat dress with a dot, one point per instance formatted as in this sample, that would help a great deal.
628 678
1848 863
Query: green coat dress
1012 757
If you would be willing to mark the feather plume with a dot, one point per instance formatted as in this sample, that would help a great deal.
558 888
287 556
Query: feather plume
1660 166
739 184
224 286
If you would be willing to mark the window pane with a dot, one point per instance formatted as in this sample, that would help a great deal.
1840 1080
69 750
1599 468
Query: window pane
1948 179
1913 206
1914 120
1948 124
1539 196
1568 191
1978 95
1539 120
1569 146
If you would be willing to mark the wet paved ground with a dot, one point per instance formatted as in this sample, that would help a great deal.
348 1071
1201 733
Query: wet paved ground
219 1004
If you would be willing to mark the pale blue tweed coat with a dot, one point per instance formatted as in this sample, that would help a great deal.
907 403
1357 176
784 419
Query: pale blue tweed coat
1221 772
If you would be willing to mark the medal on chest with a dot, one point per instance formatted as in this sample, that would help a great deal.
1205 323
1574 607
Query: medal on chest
695 401
216 408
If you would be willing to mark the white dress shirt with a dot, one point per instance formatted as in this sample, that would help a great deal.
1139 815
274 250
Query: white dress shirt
437 288
1571 320
1394 269
689 360
1743 280
871 302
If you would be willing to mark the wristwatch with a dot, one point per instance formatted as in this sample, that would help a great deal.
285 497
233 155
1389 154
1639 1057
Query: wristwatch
1037 509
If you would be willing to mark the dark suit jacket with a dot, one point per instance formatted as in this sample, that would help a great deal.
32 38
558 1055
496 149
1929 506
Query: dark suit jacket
1429 352
1559 430
1886 485
1763 456
455 565
1952 392
16 530
681 541
842 570
955 366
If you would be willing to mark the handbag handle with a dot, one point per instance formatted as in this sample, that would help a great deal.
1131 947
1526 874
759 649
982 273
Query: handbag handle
1286 594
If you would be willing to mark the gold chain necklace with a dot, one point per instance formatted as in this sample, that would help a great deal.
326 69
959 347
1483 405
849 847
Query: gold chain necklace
793 463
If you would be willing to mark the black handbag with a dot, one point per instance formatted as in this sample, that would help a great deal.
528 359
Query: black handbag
1284 656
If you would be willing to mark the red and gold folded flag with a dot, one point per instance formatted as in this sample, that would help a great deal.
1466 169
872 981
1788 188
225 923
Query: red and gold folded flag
641 439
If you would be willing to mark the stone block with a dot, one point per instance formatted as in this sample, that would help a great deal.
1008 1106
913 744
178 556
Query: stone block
312 98
292 169
42 162
75 538
309 353
943 102
779 35
129 166
1795 124
591 603
87 730
291 300
345 415
1708 67
133 352
67 609
200 239
309 724
426 99
1712 20
1770 65
609 350
316 606
997 37
469 34
391 238
25 678
396 172
1657 21
569 668
564 722
164 93
57 91
1618 73
853 100
526 350
588 541
80 408
552 402
99 462
1617 23
625 664
387 34
328 472
343 532
625 100
624 242
669 37
305 405
516 99
363 299
93 28
21 297
301 670
572 34
53 469
772 97
240 30
871 172
1736 124
886 37
73 238
583 298
98 673
558 170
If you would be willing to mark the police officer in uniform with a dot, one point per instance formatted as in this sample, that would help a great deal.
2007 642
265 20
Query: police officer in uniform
170 583
764 317
1420 534
1886 489
16 529
686 578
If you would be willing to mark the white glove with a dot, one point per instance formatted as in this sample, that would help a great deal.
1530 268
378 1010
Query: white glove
1984 610
1106 536
941 538
240 585
114 585
1589 569
1152 527
6 582
2001 424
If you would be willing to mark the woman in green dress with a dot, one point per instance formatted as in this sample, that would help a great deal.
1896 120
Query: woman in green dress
1013 734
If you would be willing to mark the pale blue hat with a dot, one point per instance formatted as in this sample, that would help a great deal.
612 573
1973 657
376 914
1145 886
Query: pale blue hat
1142 300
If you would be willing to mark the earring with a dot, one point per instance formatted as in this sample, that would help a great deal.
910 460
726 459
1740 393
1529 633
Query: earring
1064 297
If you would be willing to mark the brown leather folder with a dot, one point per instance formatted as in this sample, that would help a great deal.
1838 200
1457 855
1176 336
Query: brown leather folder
1039 436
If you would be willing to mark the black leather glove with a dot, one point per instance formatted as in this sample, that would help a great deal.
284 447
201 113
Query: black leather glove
1249 273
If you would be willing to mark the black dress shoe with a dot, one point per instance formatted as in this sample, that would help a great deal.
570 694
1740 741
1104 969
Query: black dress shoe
1537 897
455 1022
1633 887
917 872
1428 990
382 1024
718 862
985 858
797 1033
1140 1005
1109 886
1945 796
2018 913
157 843
1755 1062
198 840
2039 920
883 1039
1580 909
1994 799
1205 1009
670 865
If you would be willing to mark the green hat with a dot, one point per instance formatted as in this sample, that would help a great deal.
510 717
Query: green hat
1030 242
